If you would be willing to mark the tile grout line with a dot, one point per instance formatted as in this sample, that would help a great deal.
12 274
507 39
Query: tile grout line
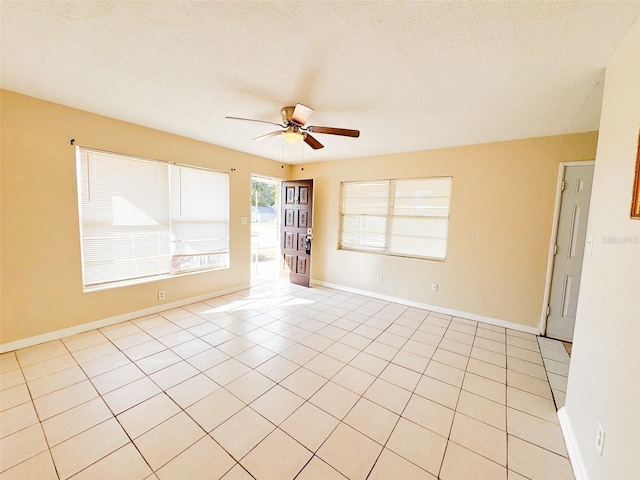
399 415
46 440
317 352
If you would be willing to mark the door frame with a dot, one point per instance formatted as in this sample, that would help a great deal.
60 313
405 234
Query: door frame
554 238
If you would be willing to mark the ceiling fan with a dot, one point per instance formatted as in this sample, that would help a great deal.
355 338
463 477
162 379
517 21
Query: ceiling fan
294 130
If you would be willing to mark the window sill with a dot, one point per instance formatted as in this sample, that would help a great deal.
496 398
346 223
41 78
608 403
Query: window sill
389 254
155 278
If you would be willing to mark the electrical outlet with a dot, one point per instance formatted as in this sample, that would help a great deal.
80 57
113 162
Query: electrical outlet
434 287
379 279
600 438
161 294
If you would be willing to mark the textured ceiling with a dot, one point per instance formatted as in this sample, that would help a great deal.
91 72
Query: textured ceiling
409 75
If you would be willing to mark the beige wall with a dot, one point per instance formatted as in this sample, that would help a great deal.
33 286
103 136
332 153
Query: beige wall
501 215
604 380
41 283
499 232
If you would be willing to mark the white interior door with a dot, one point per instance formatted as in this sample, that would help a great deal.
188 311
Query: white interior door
569 251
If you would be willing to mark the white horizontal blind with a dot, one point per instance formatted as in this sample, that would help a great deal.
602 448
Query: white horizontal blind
143 218
420 217
124 217
364 209
199 219
397 217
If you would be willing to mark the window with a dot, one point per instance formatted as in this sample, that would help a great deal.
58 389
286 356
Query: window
143 218
199 219
365 206
397 217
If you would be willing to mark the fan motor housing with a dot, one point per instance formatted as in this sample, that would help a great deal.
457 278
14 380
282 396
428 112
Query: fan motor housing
287 113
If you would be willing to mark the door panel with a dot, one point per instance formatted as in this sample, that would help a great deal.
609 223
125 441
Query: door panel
570 242
301 241
296 207
288 240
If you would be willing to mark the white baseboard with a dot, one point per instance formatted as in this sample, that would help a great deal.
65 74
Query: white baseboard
105 322
579 468
434 308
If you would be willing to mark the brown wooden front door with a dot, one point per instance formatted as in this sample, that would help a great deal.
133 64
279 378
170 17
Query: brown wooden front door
296 217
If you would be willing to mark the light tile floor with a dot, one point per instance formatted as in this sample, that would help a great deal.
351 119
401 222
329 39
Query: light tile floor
556 362
283 382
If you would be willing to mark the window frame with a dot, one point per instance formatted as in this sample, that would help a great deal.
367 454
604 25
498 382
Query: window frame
80 151
390 216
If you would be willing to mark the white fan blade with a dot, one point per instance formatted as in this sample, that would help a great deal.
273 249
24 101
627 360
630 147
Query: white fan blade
267 135
259 121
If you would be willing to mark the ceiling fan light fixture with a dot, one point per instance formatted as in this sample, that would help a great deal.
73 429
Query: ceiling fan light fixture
292 136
